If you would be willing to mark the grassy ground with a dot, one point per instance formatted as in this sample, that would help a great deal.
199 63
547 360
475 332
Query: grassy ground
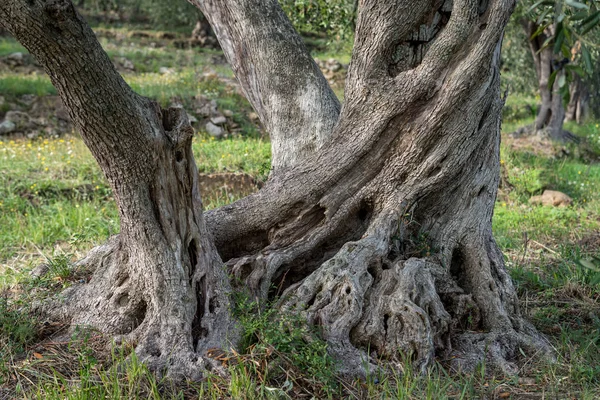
55 205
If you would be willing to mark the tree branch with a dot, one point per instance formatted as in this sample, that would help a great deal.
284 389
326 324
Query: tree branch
277 74
109 115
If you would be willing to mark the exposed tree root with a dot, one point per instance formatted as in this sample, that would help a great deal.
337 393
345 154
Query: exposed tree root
160 285
372 307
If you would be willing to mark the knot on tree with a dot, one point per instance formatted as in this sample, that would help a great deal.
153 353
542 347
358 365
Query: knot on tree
176 124
59 10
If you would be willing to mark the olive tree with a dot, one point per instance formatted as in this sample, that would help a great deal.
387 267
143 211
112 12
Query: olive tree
559 40
375 223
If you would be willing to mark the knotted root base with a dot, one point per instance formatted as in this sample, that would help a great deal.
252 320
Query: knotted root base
372 309
171 333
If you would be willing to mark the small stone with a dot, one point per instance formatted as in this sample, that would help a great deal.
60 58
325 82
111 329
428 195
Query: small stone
329 75
19 118
214 130
218 120
40 271
204 111
552 198
7 127
165 71
27 99
17 57
127 64
228 113
333 65
192 119
253 116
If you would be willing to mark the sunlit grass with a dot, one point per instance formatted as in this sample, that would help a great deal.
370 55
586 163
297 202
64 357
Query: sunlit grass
18 85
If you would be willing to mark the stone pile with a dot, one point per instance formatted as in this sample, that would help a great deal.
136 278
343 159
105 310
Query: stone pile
31 116
333 70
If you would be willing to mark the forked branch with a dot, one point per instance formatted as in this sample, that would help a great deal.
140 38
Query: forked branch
277 73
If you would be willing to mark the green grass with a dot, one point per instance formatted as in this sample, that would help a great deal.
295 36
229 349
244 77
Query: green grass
9 46
18 85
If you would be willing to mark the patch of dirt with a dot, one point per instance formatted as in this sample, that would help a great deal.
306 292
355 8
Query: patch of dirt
535 144
238 184
590 242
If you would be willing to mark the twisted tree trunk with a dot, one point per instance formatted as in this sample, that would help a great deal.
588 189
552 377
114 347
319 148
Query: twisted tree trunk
375 224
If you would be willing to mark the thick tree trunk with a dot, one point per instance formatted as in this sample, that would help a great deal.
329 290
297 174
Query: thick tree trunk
376 224
277 74
551 114
160 284
384 237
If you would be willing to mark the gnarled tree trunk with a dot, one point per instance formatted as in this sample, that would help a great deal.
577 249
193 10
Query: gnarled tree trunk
376 222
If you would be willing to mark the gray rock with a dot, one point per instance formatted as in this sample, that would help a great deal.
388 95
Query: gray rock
214 130
204 111
17 57
333 65
27 99
19 118
165 71
228 113
40 271
218 120
126 64
7 127
192 119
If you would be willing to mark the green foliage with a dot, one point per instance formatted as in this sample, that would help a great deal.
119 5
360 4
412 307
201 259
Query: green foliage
17 328
8 46
60 266
169 14
332 17
518 71
569 25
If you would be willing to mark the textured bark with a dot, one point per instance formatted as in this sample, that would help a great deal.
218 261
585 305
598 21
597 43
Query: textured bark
551 114
160 284
277 74
378 230
383 237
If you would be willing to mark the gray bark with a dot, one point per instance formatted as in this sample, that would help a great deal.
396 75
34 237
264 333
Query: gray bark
160 283
277 74
379 230
339 234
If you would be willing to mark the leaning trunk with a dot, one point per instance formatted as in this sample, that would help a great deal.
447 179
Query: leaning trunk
383 237
160 284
